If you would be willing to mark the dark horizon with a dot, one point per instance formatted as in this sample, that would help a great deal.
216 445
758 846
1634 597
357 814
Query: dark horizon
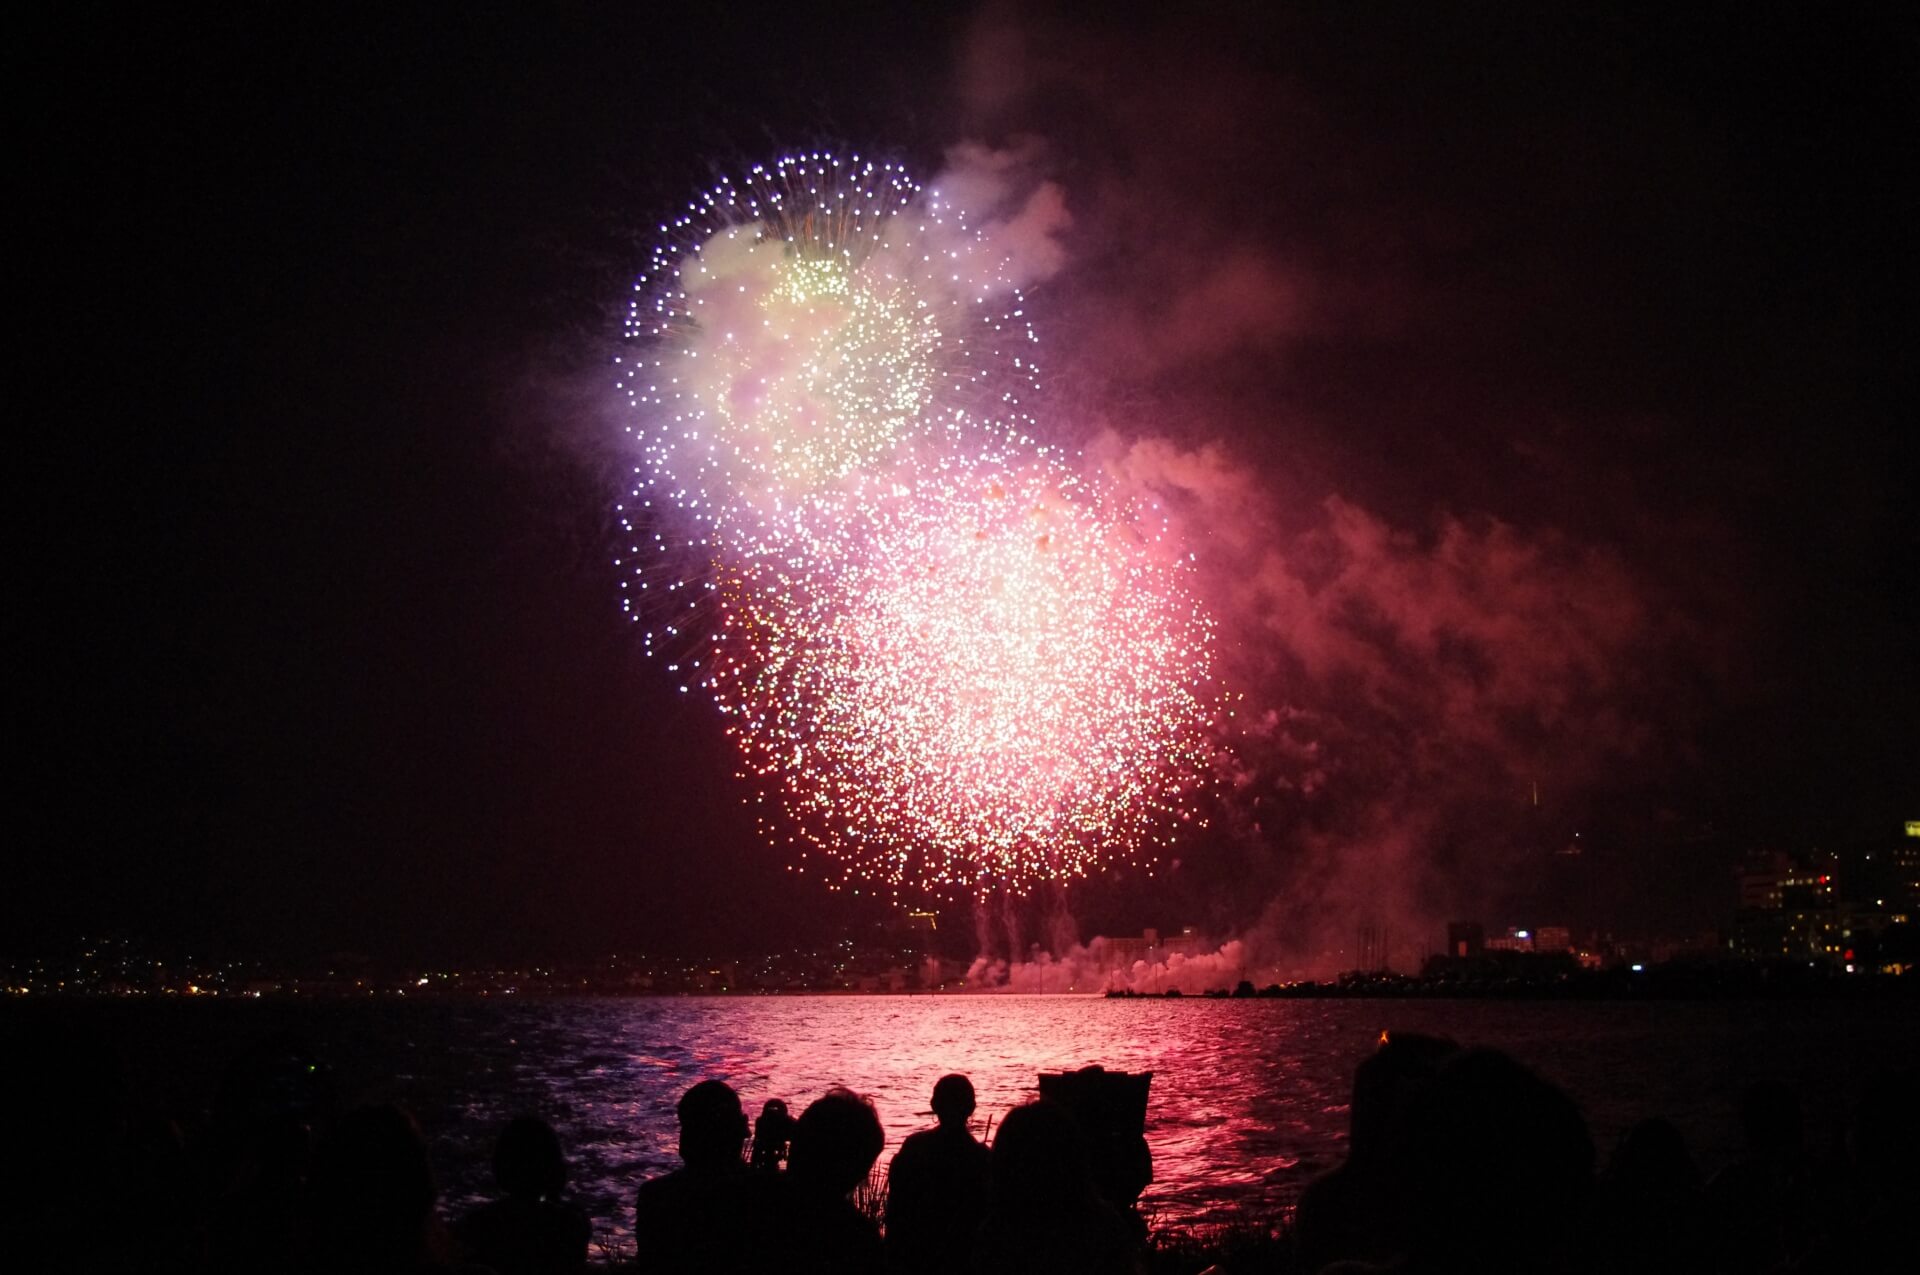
1560 362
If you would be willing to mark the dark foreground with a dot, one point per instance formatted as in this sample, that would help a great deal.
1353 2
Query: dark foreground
1457 1159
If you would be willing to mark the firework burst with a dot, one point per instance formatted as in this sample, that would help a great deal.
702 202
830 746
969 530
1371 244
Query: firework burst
806 323
954 663
1001 683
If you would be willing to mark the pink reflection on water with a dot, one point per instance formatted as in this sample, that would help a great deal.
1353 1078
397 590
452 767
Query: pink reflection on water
1249 1098
1221 1119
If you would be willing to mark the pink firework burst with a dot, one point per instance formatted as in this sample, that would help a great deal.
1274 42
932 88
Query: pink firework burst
1001 681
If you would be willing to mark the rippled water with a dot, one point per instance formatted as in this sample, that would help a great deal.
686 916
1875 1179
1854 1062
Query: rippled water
1248 1100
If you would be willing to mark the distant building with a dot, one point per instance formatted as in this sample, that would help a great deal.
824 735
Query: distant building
1122 952
1811 884
1188 942
1151 946
913 935
1701 945
1466 940
1903 875
1790 910
1758 878
1545 938
1514 940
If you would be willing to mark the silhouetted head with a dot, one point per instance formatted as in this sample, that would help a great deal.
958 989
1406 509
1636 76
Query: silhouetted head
63 1116
774 1109
953 1101
1886 1133
278 1075
272 1098
1040 1160
1386 1084
1496 1163
1770 1119
527 1161
1652 1160
712 1125
371 1190
836 1141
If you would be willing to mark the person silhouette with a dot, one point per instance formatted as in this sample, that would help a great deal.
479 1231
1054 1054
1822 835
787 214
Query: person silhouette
1492 1173
1649 1205
1878 1224
258 1143
938 1188
811 1226
1046 1216
772 1131
1346 1214
1760 1204
370 1197
530 1230
64 1119
689 1220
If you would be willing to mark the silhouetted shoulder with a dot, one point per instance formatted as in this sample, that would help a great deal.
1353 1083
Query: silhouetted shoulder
525 1237
1047 1214
1090 1238
938 1187
811 1232
370 1196
695 1220
531 1230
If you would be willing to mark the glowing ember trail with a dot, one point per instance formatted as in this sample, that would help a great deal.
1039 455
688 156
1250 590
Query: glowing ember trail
959 666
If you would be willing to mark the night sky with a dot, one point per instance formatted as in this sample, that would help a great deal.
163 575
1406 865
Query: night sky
1535 383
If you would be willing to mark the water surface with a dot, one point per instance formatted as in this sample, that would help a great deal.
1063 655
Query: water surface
1248 1100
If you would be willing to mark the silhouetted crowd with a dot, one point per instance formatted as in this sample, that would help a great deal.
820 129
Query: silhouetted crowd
1459 1160
1463 1160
